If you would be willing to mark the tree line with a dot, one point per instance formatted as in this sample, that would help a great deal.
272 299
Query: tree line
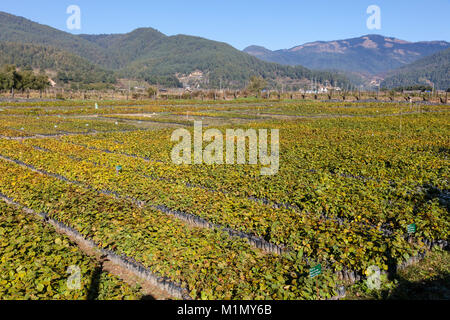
12 79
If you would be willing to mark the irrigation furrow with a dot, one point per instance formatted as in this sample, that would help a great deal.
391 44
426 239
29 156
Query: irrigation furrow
122 261
150 121
114 152
254 240
190 219
333 116
275 205
65 134
346 275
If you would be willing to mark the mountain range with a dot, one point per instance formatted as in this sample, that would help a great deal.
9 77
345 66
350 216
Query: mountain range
145 54
368 55
171 61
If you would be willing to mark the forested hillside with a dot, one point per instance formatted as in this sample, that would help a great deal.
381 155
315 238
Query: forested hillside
434 69
70 67
143 54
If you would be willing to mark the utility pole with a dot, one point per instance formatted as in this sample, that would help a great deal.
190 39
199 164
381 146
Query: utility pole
157 89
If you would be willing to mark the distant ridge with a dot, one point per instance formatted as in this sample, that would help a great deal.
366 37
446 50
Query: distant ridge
369 54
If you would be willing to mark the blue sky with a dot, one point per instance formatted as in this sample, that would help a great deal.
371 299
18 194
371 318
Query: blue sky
273 24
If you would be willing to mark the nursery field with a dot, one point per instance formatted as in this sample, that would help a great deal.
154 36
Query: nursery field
359 185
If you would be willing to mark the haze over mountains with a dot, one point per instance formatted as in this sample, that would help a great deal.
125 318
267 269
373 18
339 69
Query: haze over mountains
368 55
145 54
